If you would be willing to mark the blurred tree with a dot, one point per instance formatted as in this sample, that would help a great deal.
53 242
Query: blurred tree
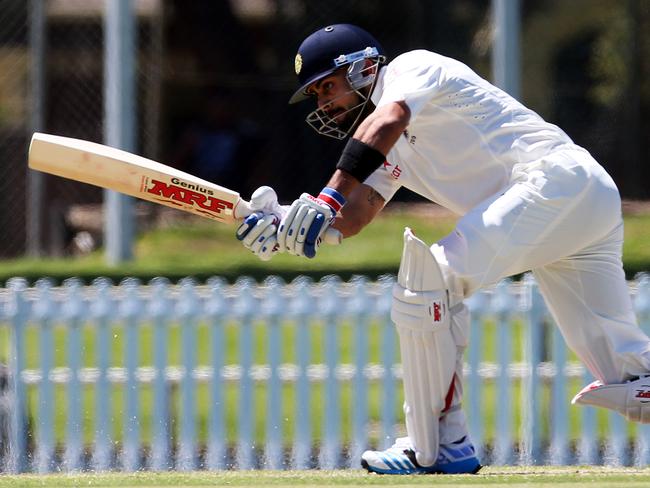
585 67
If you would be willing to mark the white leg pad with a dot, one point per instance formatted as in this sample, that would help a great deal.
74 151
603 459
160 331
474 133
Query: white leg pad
453 424
421 313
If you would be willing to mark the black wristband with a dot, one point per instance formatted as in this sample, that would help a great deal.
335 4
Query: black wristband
359 159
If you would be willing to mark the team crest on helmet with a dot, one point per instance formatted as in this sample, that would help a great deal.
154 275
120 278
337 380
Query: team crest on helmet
298 63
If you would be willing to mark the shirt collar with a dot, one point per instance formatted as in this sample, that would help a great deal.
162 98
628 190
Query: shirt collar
379 86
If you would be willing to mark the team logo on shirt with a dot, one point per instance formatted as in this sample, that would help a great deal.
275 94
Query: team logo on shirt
411 139
395 172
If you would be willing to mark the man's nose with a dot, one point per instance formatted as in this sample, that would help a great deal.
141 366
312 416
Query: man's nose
324 103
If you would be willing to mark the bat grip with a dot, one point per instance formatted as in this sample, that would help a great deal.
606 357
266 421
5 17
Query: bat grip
332 236
243 209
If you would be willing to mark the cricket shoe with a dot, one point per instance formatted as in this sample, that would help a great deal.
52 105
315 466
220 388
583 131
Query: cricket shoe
456 458
631 399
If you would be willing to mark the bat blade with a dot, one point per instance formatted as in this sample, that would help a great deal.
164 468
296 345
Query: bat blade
124 172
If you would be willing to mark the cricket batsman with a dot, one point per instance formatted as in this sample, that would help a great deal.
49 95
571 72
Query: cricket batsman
527 197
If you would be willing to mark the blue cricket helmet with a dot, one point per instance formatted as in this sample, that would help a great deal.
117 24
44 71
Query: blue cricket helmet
328 49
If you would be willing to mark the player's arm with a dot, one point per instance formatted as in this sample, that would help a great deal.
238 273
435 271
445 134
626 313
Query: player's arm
308 217
363 205
367 149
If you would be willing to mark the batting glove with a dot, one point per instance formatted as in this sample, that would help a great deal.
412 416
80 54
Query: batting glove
258 234
258 231
308 218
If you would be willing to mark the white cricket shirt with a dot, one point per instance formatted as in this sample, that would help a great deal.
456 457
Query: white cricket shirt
465 135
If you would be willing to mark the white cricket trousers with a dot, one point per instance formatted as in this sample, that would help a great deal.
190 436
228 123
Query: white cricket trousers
560 218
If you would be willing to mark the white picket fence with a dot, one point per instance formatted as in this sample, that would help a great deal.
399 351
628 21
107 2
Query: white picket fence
327 347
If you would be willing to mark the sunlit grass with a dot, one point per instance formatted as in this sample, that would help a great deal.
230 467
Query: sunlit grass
200 248
520 476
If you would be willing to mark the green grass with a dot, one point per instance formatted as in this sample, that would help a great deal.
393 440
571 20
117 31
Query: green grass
514 477
200 248
636 249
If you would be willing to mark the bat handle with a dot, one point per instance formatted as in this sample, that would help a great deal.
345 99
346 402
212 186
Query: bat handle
332 236
243 209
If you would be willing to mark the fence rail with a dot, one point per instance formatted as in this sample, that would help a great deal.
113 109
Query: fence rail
296 375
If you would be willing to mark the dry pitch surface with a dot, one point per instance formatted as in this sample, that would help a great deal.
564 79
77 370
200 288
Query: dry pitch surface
520 476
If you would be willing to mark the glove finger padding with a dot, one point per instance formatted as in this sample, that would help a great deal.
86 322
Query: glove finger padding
313 238
248 225
301 229
285 223
306 227
293 227
262 230
261 238
269 248
266 228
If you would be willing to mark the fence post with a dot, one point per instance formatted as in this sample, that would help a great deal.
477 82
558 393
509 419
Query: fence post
359 313
533 308
330 454
642 308
388 349
43 311
159 310
73 311
588 444
303 307
101 310
187 312
503 307
477 305
5 408
217 311
559 414
272 308
245 308
615 446
130 309
18 310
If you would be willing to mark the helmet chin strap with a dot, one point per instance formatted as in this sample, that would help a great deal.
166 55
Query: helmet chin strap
358 76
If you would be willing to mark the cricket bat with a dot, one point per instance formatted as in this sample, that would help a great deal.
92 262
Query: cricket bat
124 172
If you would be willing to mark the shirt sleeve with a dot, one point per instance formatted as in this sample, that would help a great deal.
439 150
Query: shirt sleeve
414 77
383 182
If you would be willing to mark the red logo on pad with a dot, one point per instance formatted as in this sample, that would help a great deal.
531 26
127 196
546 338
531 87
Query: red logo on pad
437 312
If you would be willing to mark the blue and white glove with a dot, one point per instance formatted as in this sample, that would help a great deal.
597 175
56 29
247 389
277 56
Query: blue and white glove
258 232
302 228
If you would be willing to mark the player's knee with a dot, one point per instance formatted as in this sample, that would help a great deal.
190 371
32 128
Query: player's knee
453 280
420 310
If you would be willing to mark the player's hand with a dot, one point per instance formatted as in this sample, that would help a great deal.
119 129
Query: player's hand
259 229
258 234
302 228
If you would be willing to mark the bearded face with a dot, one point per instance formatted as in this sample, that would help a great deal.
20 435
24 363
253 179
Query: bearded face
341 107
